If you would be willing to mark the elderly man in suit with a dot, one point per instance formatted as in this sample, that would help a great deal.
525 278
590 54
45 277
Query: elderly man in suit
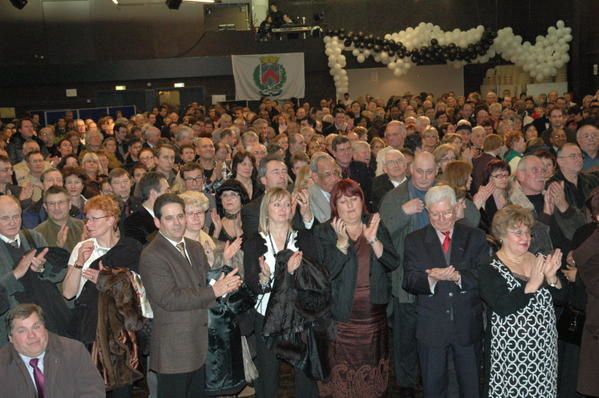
39 363
394 167
325 174
441 263
174 270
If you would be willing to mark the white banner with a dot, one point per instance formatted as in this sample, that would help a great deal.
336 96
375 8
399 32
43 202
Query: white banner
269 75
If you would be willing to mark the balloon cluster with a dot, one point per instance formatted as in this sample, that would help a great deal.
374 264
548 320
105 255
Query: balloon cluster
428 44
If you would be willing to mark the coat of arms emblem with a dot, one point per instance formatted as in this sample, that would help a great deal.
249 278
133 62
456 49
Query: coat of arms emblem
270 76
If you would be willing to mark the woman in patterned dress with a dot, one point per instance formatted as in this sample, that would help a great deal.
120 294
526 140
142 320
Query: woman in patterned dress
519 289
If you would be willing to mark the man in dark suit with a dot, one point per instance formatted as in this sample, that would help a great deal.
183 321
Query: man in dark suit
394 166
441 268
272 173
140 224
357 171
39 363
174 270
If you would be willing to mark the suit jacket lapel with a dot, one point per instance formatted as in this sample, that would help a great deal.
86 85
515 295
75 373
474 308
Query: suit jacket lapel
458 245
181 263
21 368
436 252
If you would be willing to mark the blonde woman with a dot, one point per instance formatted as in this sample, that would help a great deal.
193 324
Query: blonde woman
90 162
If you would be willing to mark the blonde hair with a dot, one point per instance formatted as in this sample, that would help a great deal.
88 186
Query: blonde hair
193 198
303 178
272 195
511 216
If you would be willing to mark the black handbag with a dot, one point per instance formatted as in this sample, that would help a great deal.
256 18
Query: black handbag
570 325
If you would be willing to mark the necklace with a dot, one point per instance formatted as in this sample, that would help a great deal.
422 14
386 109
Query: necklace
231 216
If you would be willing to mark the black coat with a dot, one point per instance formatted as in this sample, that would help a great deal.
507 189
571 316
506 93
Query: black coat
380 186
361 173
140 226
343 269
452 312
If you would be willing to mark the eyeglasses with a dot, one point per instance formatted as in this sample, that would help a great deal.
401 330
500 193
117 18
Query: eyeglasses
94 219
572 156
520 233
57 203
194 214
500 176
194 179
441 214
6 219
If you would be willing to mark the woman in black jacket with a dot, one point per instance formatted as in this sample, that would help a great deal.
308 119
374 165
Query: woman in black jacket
359 255
260 258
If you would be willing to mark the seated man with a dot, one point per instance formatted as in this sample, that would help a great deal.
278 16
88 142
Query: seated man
60 229
39 363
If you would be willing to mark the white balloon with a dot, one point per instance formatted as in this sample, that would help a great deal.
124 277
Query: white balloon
361 58
398 72
560 24
366 53
391 65
355 52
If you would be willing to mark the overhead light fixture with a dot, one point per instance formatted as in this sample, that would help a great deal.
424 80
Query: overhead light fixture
175 4
120 88
19 3
116 2
179 85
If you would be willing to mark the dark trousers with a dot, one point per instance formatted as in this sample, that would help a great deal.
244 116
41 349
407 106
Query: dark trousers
182 385
267 385
405 348
433 362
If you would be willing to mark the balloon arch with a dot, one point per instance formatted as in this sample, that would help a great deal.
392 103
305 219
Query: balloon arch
427 43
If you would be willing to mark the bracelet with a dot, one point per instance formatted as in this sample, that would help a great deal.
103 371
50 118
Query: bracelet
372 242
554 284
78 266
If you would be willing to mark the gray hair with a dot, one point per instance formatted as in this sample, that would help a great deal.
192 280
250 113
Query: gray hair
358 145
393 152
438 194
183 131
317 157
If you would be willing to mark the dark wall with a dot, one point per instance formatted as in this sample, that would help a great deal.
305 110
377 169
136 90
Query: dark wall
92 45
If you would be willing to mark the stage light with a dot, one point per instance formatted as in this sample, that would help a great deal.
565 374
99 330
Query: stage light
19 3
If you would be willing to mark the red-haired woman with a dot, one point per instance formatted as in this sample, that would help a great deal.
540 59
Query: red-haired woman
359 254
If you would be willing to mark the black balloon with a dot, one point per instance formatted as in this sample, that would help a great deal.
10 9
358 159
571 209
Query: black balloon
377 48
360 34
369 45
434 42
347 42
391 53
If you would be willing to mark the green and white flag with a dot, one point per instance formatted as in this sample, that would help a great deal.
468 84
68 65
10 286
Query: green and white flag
269 75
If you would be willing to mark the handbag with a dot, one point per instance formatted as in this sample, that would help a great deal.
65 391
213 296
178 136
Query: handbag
570 325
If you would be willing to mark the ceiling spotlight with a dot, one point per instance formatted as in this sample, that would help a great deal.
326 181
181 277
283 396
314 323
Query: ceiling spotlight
116 2
19 3
175 4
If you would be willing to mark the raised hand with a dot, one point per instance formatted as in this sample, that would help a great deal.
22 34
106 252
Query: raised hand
553 263
294 262
92 274
61 237
227 283
372 228
483 194
24 264
264 276
413 206
303 199
38 261
537 275
217 221
85 251
341 231
231 248
26 192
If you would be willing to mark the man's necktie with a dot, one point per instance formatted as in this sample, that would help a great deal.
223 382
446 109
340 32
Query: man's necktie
14 243
181 248
446 243
38 376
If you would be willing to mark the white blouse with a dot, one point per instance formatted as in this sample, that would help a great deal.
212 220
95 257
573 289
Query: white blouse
98 252
269 259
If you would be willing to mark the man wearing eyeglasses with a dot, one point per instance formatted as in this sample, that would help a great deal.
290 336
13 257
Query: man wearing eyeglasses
441 263
21 257
193 178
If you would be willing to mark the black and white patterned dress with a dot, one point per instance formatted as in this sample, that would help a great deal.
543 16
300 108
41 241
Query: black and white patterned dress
521 359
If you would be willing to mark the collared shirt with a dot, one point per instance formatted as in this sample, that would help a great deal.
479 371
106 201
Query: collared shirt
98 252
151 211
398 183
9 241
269 259
325 193
172 242
433 283
588 162
40 365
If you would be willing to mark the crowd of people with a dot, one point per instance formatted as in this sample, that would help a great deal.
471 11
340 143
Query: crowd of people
448 241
